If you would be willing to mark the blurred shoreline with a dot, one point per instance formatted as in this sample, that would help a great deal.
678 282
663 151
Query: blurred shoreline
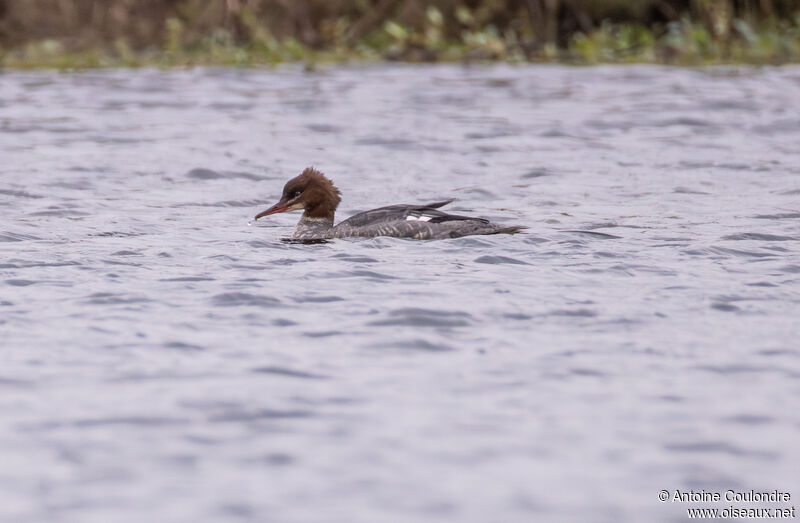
72 34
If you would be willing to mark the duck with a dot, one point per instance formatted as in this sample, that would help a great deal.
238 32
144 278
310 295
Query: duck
317 196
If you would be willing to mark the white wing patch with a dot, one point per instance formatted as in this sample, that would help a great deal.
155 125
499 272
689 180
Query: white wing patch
418 218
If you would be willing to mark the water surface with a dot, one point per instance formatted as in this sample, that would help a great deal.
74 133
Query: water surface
163 360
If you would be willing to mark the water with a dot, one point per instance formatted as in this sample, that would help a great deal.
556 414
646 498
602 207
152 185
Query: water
165 360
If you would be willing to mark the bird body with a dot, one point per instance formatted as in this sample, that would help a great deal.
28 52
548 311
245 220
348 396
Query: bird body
313 192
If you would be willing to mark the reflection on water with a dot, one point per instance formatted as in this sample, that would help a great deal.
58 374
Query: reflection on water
166 359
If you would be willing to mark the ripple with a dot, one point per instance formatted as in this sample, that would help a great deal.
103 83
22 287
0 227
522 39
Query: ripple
107 298
580 313
788 126
189 278
116 234
20 194
781 216
269 414
759 237
236 299
323 128
725 307
741 253
289 373
592 373
595 234
795 353
361 274
736 368
538 173
317 299
78 185
417 317
136 421
493 260
686 190
226 203
750 419
63 213
179 345
497 133
682 121
28 265
716 447
14 382
126 264
230 106
20 283
611 125
354 258
239 511
695 164
415 345
201 173
7 236
278 459
389 142
321 334
473 242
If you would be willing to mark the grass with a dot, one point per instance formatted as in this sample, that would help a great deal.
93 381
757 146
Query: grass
684 41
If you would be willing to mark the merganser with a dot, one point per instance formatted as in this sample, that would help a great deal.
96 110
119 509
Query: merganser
313 192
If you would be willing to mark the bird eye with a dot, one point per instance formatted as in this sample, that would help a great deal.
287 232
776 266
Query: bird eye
295 194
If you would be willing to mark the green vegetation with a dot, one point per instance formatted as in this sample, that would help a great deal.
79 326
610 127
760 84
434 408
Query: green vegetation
70 34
